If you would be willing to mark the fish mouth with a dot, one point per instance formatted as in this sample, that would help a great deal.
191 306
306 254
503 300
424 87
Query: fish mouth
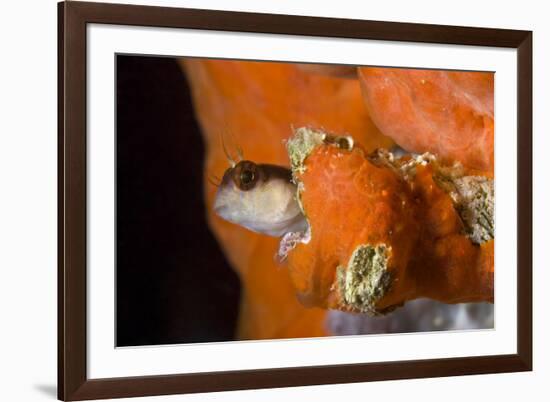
221 210
225 211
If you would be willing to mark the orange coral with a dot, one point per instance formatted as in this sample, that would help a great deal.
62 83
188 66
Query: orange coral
382 233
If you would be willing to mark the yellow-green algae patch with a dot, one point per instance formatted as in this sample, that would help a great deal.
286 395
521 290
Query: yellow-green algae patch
474 199
300 146
366 278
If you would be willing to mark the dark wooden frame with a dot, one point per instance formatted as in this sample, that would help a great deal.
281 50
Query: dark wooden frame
73 383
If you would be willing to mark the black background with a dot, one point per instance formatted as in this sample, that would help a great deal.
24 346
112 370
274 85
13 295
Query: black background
172 281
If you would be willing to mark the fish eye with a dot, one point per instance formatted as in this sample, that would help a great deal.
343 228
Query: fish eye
245 175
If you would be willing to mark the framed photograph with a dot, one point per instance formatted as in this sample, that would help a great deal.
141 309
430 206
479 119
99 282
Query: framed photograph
251 200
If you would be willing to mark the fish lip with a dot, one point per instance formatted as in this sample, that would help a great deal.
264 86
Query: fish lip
219 205
219 209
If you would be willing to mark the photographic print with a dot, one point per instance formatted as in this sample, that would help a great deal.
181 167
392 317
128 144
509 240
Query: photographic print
260 200
257 201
